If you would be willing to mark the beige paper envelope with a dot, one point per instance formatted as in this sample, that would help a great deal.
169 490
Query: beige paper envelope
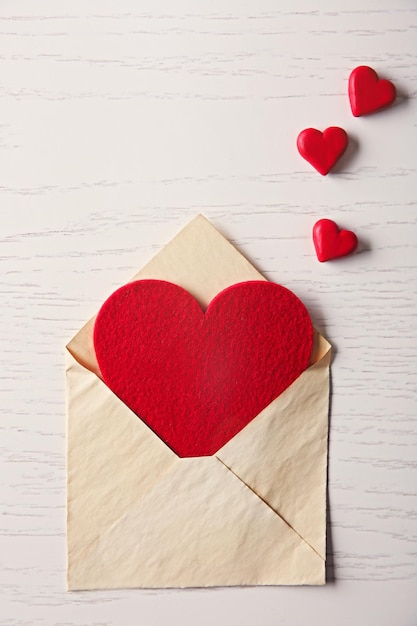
254 513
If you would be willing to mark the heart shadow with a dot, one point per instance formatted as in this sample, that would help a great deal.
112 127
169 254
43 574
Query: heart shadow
347 157
364 245
402 98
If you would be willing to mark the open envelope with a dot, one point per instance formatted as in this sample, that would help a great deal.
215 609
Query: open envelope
254 513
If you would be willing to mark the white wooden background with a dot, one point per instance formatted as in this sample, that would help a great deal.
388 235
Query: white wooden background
119 121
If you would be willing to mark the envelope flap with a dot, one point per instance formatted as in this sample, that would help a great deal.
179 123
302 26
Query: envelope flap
282 454
210 530
113 457
199 259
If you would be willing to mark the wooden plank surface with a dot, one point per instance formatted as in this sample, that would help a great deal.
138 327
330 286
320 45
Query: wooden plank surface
119 122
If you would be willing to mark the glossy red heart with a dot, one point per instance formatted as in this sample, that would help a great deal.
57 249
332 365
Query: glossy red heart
196 379
330 242
322 149
367 93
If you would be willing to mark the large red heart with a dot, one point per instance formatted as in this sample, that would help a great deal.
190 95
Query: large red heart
196 379
332 243
322 149
367 93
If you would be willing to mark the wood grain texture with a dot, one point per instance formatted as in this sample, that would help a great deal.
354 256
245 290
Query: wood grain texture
119 122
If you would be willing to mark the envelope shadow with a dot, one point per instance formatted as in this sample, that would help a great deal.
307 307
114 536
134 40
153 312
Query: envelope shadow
330 573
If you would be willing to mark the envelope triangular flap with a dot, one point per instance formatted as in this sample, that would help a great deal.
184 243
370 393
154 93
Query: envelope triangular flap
199 259
209 530
113 458
292 475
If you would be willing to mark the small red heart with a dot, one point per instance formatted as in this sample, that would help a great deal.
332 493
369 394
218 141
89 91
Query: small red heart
330 242
367 93
322 149
196 379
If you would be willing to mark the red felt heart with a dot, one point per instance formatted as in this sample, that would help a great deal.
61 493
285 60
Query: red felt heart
330 242
367 93
322 149
196 379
